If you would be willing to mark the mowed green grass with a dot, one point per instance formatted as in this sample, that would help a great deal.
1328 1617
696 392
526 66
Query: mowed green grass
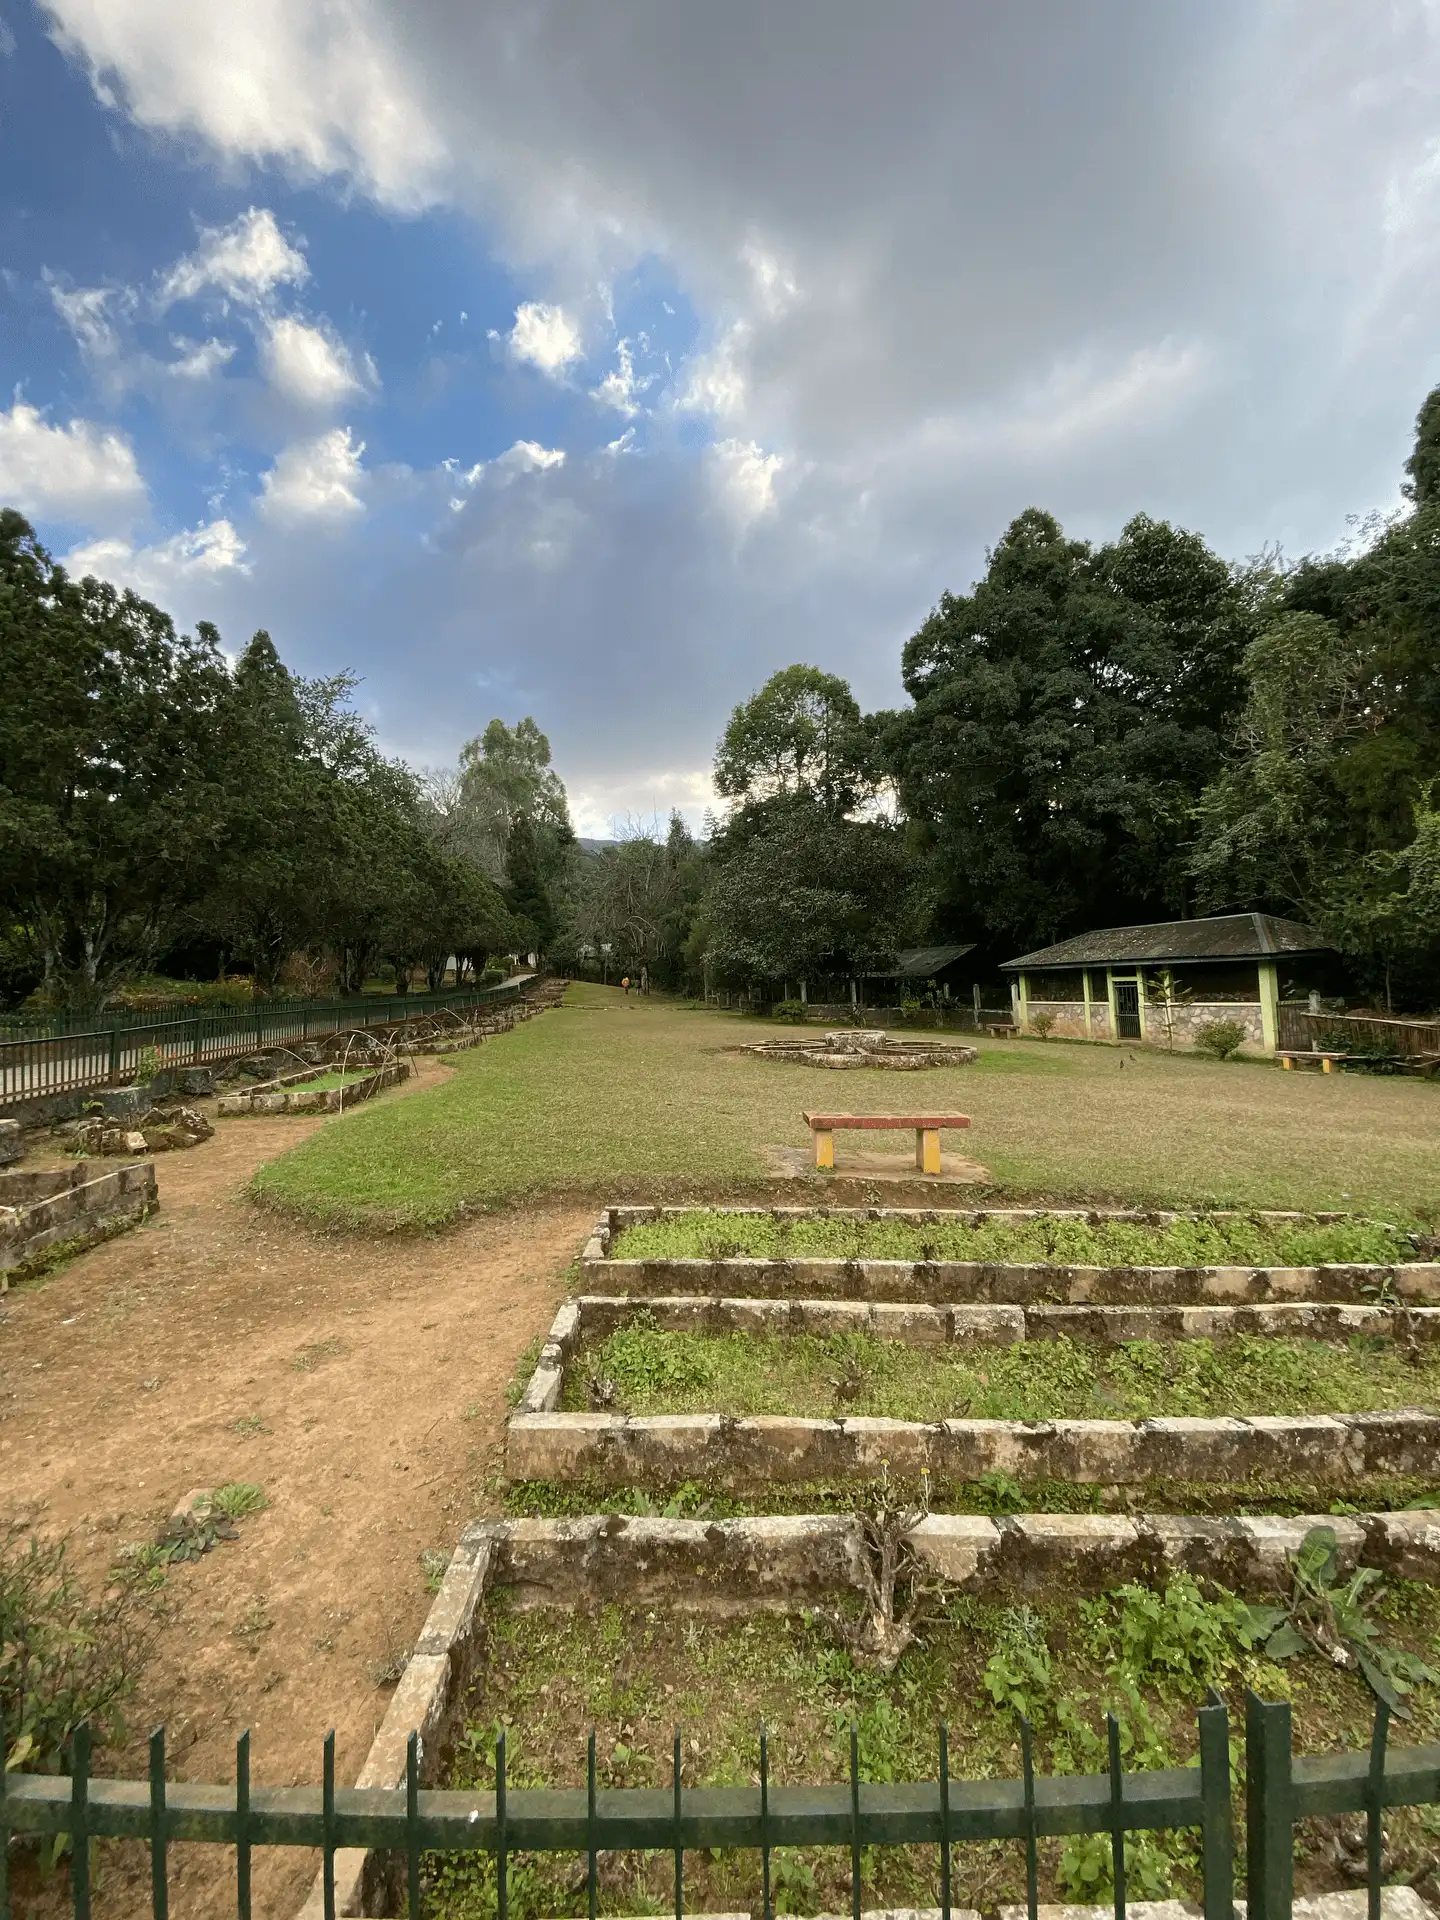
614 1097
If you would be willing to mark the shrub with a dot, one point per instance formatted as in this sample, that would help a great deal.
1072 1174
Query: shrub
63 1657
492 977
1043 1024
1220 1037
793 1011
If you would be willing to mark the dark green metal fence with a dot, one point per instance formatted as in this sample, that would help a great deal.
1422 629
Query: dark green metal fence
108 1048
407 1822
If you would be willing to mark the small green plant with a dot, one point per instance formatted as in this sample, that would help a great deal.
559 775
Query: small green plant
792 1012
64 1657
1042 1025
1220 1038
148 1066
1336 1619
237 1498
1175 1640
1018 1674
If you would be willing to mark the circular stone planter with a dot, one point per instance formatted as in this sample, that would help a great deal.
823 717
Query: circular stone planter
859 1047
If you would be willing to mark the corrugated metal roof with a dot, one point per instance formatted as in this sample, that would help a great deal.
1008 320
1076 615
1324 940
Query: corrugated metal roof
1224 936
918 963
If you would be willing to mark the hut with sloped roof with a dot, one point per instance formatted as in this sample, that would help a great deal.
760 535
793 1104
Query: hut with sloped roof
1163 981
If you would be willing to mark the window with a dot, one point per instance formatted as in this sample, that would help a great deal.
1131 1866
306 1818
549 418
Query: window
1056 986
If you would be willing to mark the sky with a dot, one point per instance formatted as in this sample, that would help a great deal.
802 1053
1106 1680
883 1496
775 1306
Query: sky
594 362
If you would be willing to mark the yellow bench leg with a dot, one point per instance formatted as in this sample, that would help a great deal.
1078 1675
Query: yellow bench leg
927 1149
1287 1065
1326 1065
824 1148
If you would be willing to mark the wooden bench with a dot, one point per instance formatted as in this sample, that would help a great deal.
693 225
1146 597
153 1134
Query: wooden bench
824 1127
1287 1059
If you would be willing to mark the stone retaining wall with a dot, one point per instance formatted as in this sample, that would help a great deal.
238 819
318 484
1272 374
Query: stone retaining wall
64 1204
747 1455
292 1095
935 1281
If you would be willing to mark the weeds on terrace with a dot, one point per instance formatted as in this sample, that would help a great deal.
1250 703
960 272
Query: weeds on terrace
64 1657
638 1675
654 1371
997 1494
1049 1239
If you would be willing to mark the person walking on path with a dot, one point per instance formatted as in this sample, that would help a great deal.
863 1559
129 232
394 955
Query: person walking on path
625 983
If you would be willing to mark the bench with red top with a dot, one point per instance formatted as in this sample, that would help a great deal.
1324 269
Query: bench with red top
926 1126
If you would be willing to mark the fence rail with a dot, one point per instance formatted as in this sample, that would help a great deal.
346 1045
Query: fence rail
109 1053
1358 1032
408 1821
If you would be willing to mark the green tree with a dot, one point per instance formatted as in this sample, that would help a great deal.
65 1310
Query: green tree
802 733
505 775
1067 713
802 894
115 787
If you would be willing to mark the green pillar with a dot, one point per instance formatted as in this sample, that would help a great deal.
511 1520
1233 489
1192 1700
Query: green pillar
1269 1006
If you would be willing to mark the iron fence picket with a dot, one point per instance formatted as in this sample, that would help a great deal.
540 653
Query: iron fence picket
407 1821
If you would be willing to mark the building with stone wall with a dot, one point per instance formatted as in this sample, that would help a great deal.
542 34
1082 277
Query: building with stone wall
1159 984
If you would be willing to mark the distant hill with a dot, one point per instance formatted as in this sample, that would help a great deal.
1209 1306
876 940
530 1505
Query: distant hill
594 846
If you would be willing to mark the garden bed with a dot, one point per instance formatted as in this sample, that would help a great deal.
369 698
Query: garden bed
318 1090
644 1367
66 1208
552 1628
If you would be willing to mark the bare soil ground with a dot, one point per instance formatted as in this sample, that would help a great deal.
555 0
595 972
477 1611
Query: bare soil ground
360 1382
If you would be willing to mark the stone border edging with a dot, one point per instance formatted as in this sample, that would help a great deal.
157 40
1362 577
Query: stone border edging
291 1095
743 1455
780 1564
596 1315
85 1210
993 1282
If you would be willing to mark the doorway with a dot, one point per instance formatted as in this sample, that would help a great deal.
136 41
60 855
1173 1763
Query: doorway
1127 1009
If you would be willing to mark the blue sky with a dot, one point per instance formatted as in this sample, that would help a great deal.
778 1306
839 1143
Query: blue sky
596 363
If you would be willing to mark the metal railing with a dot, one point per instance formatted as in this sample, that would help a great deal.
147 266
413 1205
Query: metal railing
406 1822
110 1049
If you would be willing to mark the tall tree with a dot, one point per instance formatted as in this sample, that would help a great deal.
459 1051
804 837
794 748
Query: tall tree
802 733
1067 713
115 789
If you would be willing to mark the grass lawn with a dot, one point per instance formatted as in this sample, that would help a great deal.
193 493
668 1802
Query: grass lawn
636 1677
1048 1240
855 1373
617 1098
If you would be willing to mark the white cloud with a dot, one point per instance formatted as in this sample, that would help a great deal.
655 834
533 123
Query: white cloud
747 477
202 553
619 389
528 456
198 361
546 336
76 472
245 261
308 365
718 382
642 800
315 479
86 311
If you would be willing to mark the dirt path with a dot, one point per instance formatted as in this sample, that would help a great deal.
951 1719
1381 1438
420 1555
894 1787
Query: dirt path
359 1382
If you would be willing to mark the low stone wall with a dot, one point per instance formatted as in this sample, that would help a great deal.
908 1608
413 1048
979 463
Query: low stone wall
292 1095
938 1281
747 1455
730 1568
43 1210
1186 1018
